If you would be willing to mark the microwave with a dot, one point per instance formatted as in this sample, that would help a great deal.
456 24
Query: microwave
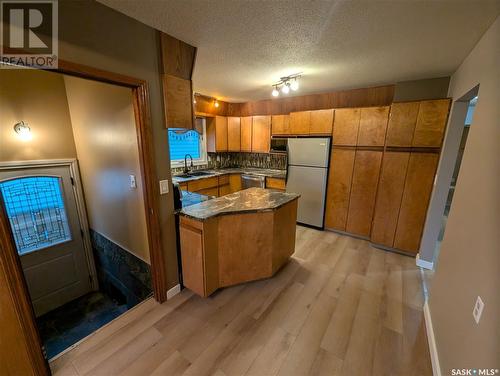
279 145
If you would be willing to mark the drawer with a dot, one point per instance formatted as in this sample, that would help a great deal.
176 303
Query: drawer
196 185
275 183
224 179
183 187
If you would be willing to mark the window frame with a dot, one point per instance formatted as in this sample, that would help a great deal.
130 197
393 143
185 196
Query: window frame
203 160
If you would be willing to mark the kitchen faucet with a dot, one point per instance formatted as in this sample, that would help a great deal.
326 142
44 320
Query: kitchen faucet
186 169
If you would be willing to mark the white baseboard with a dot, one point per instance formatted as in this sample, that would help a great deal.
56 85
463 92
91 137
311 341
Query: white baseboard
173 291
424 264
436 370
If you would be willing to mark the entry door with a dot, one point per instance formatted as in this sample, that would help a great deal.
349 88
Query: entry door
42 212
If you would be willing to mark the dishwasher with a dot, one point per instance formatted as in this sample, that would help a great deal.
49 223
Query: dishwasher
248 181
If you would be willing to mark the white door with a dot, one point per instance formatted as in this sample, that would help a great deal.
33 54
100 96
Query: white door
42 211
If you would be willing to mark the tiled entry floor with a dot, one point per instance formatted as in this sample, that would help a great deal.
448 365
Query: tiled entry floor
75 320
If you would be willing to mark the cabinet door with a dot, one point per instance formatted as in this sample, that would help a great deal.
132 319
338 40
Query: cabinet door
390 192
300 122
372 126
416 195
346 126
221 133
233 134
339 188
235 182
431 122
246 133
261 134
178 102
402 120
321 122
363 191
280 124
192 259
224 190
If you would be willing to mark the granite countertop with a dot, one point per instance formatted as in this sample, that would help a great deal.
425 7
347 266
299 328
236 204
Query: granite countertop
193 198
280 174
248 200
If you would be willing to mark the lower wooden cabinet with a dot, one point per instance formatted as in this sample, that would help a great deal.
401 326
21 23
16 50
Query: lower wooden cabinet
235 182
363 191
390 193
339 188
224 190
275 183
416 195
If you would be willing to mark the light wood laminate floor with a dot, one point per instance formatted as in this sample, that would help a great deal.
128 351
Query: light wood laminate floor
339 307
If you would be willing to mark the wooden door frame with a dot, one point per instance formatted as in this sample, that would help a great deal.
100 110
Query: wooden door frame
9 259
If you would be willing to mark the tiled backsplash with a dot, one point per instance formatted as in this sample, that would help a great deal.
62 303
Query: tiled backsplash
255 160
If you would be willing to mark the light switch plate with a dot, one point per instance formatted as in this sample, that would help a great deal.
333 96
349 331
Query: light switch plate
478 309
163 187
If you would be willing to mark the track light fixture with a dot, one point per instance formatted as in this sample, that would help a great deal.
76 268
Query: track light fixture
286 84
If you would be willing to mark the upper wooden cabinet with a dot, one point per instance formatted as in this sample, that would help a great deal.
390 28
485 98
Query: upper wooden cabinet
246 133
321 122
233 134
177 66
363 191
431 122
416 195
300 122
280 125
346 126
217 134
261 134
402 121
372 126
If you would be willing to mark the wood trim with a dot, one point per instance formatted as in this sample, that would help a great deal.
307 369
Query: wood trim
10 266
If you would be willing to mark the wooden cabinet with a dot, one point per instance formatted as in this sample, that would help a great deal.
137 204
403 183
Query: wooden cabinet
390 192
416 195
235 182
339 188
321 122
233 134
275 183
373 126
346 126
224 190
205 183
261 134
300 122
280 125
199 261
176 69
431 123
246 133
363 191
402 121
217 134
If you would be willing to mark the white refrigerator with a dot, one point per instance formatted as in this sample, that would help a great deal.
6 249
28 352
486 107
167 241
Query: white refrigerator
307 174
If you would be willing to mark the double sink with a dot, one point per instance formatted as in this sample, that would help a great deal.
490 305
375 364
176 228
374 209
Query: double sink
194 174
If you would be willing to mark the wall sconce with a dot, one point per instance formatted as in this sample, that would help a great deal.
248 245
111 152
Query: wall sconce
216 103
23 130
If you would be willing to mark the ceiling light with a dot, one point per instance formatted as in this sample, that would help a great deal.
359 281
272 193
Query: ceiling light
285 84
23 130
216 103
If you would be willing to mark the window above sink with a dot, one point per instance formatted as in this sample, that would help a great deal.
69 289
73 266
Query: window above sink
182 142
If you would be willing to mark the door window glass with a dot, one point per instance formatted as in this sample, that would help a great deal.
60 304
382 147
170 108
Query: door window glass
36 212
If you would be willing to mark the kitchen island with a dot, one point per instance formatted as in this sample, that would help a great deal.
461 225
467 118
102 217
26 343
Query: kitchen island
240 237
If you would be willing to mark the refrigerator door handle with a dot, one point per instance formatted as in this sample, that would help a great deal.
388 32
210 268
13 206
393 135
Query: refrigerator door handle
287 164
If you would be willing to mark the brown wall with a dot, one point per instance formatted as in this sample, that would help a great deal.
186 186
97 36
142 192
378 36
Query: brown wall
103 122
469 259
108 40
38 98
416 90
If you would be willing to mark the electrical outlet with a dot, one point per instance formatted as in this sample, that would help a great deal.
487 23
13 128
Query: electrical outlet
133 182
478 309
163 187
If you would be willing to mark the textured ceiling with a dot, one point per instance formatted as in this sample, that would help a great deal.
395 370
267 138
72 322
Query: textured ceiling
245 45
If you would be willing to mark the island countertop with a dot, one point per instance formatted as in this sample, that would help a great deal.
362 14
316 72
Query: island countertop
248 200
